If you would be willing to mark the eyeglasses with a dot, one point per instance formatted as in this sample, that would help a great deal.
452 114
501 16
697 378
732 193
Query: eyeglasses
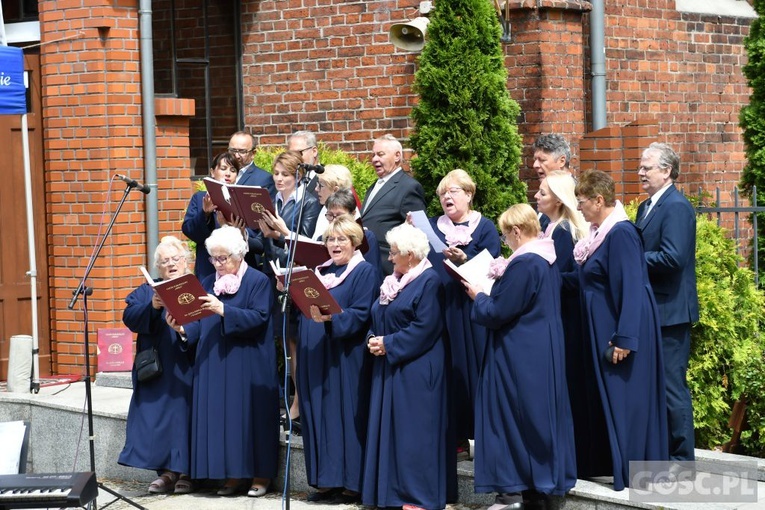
450 191
646 169
331 217
320 184
219 260
239 151
580 201
503 238
338 240
170 261
393 253
301 151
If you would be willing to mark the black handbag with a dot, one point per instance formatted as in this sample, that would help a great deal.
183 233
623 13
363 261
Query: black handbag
147 365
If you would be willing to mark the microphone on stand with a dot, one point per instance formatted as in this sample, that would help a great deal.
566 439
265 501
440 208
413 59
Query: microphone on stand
137 185
319 169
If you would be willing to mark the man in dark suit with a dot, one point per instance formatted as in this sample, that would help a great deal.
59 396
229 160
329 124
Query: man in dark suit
668 224
242 147
387 202
304 142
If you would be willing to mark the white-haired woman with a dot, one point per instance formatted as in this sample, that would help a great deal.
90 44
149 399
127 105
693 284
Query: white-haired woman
407 462
157 432
235 406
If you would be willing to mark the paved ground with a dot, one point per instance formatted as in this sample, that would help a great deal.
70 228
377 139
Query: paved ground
205 499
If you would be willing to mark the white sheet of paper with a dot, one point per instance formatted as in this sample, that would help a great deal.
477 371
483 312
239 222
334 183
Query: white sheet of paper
420 220
12 439
476 270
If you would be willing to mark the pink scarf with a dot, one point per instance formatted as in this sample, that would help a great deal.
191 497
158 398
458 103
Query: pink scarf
393 284
545 248
458 235
331 280
587 246
229 283
549 230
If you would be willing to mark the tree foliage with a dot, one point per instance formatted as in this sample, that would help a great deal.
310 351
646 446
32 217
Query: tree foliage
752 119
727 349
465 117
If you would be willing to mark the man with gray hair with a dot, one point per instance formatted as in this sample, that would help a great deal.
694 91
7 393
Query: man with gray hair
304 142
551 152
395 194
668 225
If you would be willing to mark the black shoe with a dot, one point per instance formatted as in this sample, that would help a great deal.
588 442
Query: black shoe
346 499
316 497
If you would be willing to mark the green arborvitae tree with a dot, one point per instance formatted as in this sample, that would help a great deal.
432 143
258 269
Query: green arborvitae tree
752 120
465 117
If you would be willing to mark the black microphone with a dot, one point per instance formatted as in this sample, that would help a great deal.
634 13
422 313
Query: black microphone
140 187
319 169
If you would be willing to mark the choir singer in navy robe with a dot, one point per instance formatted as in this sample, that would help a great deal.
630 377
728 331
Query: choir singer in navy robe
334 373
157 435
524 435
407 463
235 406
622 323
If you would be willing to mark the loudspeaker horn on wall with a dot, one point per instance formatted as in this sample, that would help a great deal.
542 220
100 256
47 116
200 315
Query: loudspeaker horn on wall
409 36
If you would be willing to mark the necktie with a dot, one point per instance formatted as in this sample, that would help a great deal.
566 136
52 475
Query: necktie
378 185
647 210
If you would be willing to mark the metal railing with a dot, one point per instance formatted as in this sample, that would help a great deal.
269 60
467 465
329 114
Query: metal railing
737 210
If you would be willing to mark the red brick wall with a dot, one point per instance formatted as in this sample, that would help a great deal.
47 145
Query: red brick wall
683 72
92 130
328 66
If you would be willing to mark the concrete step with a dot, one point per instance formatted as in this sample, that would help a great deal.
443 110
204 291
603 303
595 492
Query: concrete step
59 443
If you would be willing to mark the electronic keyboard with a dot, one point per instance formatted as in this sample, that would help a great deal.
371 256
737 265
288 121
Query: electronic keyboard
55 490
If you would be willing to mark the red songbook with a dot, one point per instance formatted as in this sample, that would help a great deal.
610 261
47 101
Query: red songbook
306 289
181 297
309 253
115 350
247 202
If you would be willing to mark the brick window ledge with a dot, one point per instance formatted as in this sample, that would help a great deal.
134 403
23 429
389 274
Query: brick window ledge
173 107
565 5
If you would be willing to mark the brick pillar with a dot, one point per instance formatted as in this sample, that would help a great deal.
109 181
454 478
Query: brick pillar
92 130
545 64
616 150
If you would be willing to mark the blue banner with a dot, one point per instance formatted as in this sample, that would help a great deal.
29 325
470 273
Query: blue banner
13 95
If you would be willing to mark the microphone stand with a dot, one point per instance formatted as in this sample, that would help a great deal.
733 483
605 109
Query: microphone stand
286 310
85 291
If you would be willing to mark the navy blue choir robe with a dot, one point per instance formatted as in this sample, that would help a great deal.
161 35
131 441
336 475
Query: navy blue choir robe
524 436
467 339
406 455
235 406
158 423
198 226
333 377
578 375
619 307
373 255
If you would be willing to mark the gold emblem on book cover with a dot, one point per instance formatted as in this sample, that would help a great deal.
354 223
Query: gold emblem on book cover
186 298
256 207
311 293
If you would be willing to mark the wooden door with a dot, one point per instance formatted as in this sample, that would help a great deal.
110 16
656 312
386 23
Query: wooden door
15 288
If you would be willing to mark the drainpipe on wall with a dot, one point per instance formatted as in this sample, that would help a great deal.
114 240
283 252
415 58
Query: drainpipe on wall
149 131
598 49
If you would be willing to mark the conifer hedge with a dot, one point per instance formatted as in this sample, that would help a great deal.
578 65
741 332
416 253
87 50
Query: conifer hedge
465 117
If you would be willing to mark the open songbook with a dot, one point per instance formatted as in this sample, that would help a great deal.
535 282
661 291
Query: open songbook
475 271
180 296
308 252
246 202
306 289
